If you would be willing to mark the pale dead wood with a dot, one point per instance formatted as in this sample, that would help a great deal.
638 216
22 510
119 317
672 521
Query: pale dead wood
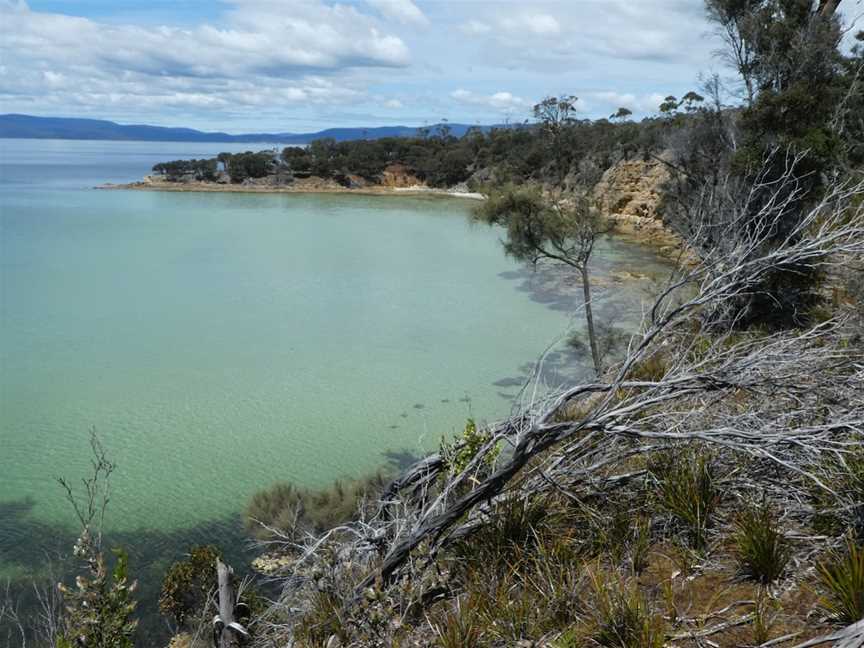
803 388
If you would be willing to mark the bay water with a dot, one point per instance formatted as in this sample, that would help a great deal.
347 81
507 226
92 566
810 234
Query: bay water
218 342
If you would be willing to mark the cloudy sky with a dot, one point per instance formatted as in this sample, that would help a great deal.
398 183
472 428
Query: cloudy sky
305 65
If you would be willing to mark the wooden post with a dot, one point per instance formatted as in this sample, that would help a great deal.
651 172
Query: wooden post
228 633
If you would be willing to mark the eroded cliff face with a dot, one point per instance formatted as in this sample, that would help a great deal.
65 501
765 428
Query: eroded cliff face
632 189
629 194
399 176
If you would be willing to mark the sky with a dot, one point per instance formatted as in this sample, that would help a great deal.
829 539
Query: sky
306 65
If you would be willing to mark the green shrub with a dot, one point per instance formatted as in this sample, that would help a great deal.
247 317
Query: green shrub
761 548
458 454
290 511
99 609
188 583
842 576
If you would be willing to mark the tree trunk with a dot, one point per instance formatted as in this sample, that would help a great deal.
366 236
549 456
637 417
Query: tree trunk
228 632
827 8
589 318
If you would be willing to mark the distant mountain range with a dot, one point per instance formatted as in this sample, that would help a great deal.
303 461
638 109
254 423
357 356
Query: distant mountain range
28 126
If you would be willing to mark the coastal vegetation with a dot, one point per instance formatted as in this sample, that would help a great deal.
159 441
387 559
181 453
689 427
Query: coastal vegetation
288 512
541 228
438 159
99 609
683 496
704 488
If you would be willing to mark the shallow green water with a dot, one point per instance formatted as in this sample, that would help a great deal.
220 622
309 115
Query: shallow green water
220 342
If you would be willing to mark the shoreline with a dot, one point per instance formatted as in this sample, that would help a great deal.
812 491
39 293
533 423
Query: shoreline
298 187
656 234
646 230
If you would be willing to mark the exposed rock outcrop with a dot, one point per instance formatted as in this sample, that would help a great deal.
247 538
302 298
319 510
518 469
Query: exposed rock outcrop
632 188
400 176
630 194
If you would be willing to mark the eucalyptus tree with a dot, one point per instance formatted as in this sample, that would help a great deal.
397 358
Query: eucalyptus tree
621 114
787 57
541 228
556 116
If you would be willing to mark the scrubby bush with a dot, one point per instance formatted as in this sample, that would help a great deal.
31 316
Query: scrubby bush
459 453
284 509
190 585
187 584
98 611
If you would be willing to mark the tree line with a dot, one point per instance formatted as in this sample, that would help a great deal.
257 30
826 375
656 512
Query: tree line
516 153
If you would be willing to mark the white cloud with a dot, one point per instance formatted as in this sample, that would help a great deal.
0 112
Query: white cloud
497 100
260 54
475 28
560 33
339 61
644 103
403 11
258 39
541 24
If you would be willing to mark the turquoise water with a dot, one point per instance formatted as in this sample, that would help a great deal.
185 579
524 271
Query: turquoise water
219 342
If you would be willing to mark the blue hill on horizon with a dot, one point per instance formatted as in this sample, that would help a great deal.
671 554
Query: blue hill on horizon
17 126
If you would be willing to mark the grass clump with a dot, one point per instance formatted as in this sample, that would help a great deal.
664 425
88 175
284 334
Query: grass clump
761 548
832 515
459 627
322 621
842 576
533 594
687 489
651 369
516 529
520 574
765 612
615 529
622 616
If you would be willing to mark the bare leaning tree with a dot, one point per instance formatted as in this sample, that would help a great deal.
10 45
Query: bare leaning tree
803 389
